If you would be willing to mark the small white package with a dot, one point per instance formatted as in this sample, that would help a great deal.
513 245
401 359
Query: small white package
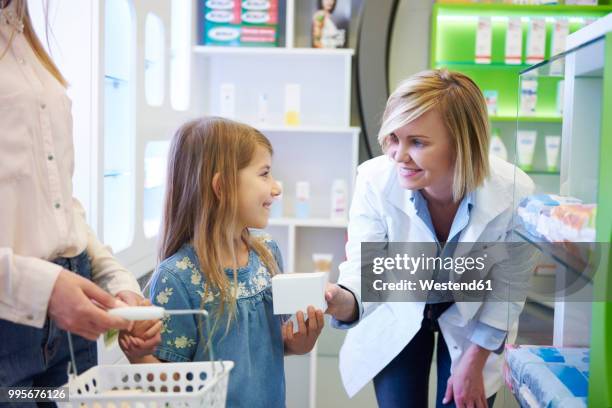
293 292
559 39
483 40
529 96
514 41
536 40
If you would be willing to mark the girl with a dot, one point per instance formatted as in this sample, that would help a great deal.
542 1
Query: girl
219 185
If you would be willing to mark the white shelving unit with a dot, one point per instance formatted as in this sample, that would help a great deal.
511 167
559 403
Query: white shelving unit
322 148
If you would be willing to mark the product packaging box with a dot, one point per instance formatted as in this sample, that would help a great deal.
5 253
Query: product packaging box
293 292
529 96
330 23
559 38
483 41
536 40
491 100
514 41
238 22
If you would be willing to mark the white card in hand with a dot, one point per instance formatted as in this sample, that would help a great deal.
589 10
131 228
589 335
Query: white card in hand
293 292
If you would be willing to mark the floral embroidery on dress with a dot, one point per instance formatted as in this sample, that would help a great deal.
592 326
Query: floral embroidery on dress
210 297
163 296
196 277
181 342
184 263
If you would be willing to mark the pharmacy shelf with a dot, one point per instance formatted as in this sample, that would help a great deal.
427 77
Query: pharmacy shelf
557 10
209 50
454 32
460 65
308 222
542 172
533 119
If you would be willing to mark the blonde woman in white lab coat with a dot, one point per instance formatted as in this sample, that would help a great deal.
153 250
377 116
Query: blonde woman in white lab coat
435 183
50 260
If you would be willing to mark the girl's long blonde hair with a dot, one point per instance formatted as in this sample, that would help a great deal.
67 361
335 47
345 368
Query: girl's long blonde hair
194 213
21 9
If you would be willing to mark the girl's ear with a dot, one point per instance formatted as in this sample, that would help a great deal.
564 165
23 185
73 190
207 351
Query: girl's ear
216 184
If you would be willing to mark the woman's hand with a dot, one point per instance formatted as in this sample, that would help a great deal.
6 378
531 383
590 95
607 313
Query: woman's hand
73 305
305 338
341 303
466 385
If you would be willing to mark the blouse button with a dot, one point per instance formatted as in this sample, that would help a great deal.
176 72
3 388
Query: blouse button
50 157
57 205
43 106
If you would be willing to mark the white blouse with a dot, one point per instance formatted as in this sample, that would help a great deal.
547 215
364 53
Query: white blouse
40 220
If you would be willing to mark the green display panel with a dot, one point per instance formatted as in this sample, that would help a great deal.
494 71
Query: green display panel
454 43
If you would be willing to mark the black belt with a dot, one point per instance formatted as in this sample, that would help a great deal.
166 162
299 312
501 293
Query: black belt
432 312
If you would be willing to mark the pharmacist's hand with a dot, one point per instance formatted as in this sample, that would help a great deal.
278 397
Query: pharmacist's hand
341 303
142 338
72 307
465 386
305 338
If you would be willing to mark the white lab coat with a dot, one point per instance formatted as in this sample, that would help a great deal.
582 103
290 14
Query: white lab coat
382 211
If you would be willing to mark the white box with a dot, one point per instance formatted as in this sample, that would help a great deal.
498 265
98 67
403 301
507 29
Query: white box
536 40
514 41
292 292
559 38
483 40
529 96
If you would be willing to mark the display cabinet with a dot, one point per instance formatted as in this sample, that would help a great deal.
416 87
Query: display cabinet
571 225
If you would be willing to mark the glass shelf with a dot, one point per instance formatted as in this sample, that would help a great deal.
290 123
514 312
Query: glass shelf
534 119
474 65
578 266
543 172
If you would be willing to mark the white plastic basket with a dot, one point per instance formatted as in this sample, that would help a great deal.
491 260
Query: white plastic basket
198 384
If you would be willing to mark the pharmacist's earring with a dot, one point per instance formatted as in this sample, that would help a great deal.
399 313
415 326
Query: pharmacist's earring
215 184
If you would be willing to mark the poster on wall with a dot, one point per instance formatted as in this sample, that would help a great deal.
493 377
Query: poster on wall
330 23
243 23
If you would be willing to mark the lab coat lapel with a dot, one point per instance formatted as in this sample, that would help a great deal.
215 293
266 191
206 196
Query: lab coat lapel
398 196
401 198
491 200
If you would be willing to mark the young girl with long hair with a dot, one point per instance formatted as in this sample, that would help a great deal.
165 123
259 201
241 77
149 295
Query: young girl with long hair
219 185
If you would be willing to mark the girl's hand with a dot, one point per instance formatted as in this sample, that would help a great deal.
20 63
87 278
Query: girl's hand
143 337
305 338
466 385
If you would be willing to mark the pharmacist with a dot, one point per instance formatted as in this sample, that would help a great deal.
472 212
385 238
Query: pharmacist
48 254
435 183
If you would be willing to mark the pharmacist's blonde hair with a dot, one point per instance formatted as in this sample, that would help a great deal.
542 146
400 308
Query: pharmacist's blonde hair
463 110
194 213
22 11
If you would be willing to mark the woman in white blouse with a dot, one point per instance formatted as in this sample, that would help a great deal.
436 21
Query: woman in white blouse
48 254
